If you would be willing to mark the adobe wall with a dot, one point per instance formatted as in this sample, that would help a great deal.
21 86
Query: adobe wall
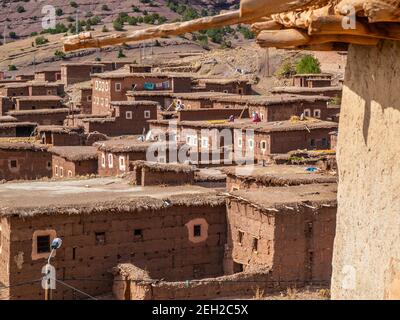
43 119
104 170
296 245
366 260
165 248
78 168
39 104
154 178
285 141
4 256
67 139
43 91
211 114
237 285
30 165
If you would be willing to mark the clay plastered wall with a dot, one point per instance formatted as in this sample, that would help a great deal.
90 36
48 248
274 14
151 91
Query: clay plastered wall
165 249
4 256
240 284
367 252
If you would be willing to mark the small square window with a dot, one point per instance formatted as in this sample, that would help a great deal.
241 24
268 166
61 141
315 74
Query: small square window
43 244
138 234
128 115
13 163
197 230
118 86
147 114
263 145
89 98
100 238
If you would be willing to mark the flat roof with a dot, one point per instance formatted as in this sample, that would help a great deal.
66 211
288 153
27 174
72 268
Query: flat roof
37 111
134 103
21 146
293 89
280 175
5 125
247 124
58 129
75 153
117 75
278 199
110 195
124 145
38 98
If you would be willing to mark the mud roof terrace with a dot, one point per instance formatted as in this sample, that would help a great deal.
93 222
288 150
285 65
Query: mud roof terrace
289 199
247 124
106 195
279 175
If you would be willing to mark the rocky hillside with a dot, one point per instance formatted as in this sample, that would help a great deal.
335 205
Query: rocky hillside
24 17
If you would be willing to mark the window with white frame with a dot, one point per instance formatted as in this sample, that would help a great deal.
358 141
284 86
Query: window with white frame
69 173
110 160
307 113
317 113
122 163
56 171
103 160
128 115
96 84
240 142
204 142
250 144
263 145
118 86
147 114
106 87
61 172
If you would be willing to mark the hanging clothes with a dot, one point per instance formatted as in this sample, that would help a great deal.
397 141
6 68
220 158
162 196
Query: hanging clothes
149 86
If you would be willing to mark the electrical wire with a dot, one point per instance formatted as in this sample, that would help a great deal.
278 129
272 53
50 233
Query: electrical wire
75 289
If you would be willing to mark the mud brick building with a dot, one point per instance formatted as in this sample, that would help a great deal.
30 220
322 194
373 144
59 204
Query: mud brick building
31 89
115 155
334 91
75 72
48 75
322 159
163 98
170 232
74 161
140 68
25 77
42 116
245 137
61 135
5 105
258 177
24 161
109 86
37 102
82 97
126 118
17 129
234 86
212 114
154 174
289 229
313 80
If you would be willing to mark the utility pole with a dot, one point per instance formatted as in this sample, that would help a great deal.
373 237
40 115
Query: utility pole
49 278
77 21
4 33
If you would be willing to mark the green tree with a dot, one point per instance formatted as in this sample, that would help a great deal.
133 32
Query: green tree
308 64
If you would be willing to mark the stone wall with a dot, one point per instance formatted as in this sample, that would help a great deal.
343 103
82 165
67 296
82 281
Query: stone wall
366 259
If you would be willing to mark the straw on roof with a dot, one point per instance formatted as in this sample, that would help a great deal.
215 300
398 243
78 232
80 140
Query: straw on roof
299 198
7 119
38 111
134 103
75 153
297 90
22 146
58 129
162 167
278 175
8 125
